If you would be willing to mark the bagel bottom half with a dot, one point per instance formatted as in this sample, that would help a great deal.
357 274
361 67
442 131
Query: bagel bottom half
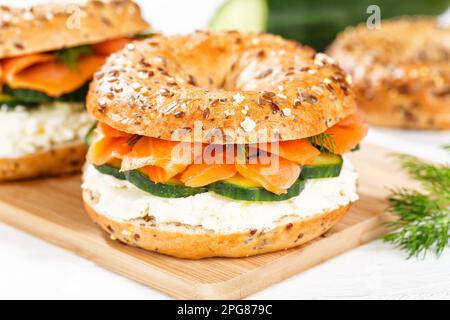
184 242
62 159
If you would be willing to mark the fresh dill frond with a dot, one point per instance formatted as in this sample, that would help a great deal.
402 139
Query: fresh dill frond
434 178
422 218
71 56
324 142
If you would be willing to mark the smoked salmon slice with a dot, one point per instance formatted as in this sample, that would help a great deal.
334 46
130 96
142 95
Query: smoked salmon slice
108 131
299 151
348 133
162 159
108 47
274 177
165 172
42 72
106 149
12 66
199 175
108 144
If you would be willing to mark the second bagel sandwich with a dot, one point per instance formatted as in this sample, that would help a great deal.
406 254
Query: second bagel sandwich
220 144
48 55
401 72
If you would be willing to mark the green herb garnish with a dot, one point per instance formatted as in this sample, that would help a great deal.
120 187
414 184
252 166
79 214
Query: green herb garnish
90 135
143 35
423 218
324 142
357 148
28 97
71 56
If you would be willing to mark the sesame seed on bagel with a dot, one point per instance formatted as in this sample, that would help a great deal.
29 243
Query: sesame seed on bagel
239 85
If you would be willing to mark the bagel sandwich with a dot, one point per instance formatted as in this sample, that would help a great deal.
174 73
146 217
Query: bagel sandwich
220 144
48 55
401 72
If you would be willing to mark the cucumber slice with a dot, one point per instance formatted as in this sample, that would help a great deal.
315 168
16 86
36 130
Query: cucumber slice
111 171
140 180
242 15
313 22
5 98
9 103
76 96
90 135
326 165
243 182
230 189
159 189
28 96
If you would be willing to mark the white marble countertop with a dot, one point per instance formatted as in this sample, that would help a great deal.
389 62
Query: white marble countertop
31 268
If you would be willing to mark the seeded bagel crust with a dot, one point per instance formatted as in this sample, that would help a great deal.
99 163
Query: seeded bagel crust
60 25
187 242
401 73
234 84
67 158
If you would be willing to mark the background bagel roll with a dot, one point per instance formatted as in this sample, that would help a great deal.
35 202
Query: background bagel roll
401 72
44 78
220 144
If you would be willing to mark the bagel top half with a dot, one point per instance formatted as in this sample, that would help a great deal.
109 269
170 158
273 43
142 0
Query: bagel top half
49 27
237 85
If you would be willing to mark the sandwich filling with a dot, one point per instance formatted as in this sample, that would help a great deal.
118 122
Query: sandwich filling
42 96
272 172
121 200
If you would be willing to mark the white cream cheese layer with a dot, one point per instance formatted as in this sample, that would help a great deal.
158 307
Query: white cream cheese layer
123 201
24 131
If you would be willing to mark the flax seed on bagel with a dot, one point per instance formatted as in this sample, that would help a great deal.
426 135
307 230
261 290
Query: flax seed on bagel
233 83
401 72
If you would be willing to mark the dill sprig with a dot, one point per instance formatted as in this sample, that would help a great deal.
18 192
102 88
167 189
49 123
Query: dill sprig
423 218
324 142
434 178
71 56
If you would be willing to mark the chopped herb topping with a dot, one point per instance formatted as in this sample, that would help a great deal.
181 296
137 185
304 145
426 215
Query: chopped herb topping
71 56
324 142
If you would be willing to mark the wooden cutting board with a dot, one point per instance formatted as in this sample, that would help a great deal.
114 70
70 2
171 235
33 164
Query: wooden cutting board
51 209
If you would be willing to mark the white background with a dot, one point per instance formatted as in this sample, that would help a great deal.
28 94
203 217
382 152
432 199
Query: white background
31 268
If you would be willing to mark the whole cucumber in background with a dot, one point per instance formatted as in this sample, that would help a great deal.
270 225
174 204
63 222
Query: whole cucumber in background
313 22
